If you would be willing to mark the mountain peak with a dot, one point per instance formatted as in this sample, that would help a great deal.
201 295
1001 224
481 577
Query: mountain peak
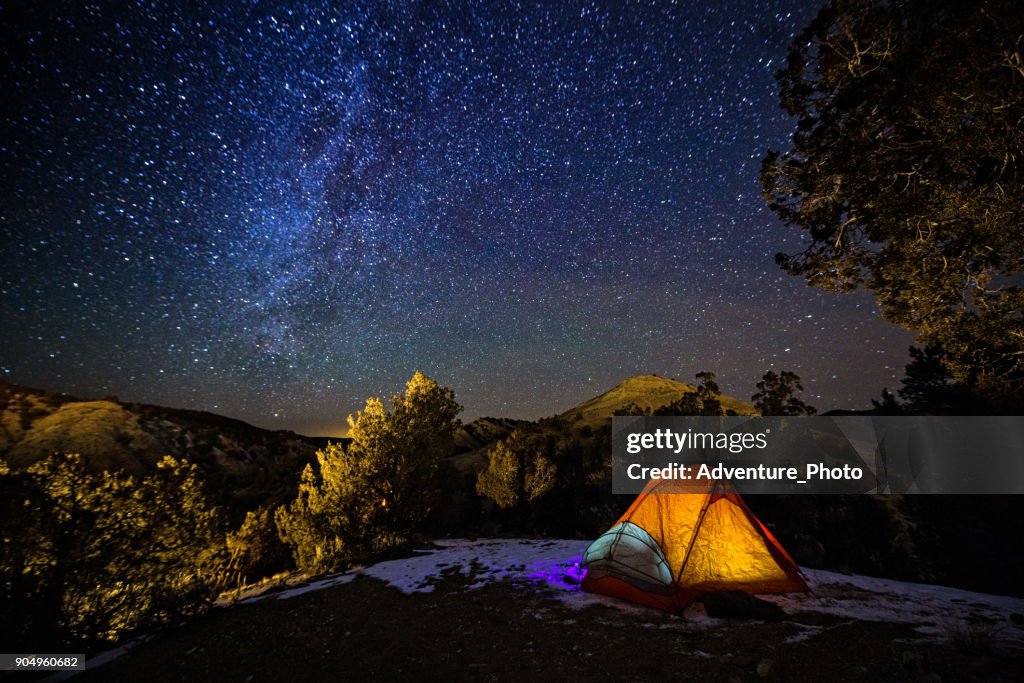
647 392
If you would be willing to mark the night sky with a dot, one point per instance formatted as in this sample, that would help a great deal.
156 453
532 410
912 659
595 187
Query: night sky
274 211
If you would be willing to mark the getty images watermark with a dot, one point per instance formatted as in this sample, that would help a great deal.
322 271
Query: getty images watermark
848 454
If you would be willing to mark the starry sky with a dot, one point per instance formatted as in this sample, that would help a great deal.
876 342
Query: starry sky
275 210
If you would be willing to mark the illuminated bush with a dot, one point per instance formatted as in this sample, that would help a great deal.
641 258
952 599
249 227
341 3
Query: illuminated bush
372 494
254 549
518 470
91 556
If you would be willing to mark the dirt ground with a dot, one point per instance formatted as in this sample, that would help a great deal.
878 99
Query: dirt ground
367 630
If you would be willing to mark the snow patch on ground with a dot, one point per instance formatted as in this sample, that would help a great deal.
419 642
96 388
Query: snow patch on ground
536 561
936 610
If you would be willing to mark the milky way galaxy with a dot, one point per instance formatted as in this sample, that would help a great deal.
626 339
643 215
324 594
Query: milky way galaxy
273 211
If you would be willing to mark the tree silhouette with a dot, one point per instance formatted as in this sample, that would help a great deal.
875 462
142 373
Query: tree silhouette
929 388
705 400
775 395
905 171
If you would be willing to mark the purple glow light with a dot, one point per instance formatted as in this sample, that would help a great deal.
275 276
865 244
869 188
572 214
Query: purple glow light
565 575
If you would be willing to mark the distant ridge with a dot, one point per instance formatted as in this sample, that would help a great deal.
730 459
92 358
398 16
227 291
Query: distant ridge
248 466
244 465
647 392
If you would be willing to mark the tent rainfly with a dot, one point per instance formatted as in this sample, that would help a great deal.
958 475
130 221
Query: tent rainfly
680 539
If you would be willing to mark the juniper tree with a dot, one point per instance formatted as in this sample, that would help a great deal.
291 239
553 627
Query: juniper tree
705 400
107 554
381 487
905 171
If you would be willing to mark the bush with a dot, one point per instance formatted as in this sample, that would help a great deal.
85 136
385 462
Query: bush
372 495
518 471
91 556
254 549
323 512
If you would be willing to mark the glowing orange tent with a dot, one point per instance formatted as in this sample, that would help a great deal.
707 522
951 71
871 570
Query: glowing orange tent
680 539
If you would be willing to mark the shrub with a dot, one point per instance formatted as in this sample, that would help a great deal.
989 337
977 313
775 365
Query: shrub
372 495
91 556
254 549
518 471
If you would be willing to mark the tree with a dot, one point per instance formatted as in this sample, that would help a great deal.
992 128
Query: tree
905 171
705 400
499 481
775 395
381 488
405 453
325 512
254 549
519 470
887 404
540 476
929 388
28 608
181 558
709 394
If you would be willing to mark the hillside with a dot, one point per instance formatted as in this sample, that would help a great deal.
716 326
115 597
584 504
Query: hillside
249 466
646 392
579 423
244 464
133 436
486 430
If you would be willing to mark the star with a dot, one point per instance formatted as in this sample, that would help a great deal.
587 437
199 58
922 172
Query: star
279 210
